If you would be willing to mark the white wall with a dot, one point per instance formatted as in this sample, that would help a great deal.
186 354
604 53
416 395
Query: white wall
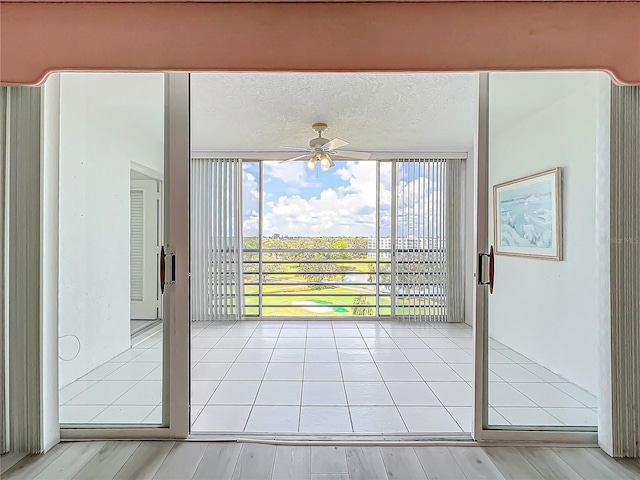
546 310
107 121
49 211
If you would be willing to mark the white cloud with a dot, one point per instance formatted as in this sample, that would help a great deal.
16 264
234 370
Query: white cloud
294 174
250 203
345 174
249 189
345 210
350 209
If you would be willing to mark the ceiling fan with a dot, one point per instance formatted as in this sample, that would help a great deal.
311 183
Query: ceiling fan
321 150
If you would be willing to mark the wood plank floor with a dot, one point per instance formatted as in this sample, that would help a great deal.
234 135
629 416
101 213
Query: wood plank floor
223 461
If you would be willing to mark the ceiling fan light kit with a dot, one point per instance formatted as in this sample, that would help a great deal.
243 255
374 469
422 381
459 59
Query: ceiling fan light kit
326 163
321 150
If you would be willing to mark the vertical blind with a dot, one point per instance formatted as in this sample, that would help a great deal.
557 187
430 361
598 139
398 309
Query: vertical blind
454 235
29 391
216 239
427 269
136 244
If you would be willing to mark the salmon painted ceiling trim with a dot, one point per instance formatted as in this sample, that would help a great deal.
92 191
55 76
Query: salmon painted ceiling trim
312 1
38 38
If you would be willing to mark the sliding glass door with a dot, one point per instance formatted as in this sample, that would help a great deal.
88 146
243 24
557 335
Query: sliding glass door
538 313
372 239
119 249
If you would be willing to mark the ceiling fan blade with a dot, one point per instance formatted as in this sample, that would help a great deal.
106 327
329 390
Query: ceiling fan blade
295 158
300 149
351 154
333 144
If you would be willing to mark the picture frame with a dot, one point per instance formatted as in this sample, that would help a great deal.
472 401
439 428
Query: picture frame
527 214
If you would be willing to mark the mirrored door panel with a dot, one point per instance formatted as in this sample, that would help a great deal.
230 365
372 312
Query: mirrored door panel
542 315
111 210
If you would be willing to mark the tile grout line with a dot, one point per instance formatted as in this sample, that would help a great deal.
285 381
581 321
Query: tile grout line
263 378
384 382
194 420
123 393
404 422
235 362
261 381
344 387
423 380
304 371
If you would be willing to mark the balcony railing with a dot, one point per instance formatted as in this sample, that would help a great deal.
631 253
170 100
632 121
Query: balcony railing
344 282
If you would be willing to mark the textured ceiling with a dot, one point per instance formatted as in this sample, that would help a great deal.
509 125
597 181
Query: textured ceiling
416 112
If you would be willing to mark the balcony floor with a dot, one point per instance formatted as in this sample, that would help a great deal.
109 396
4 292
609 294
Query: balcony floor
330 377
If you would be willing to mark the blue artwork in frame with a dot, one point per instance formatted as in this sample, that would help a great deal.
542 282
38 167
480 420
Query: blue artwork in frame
527 216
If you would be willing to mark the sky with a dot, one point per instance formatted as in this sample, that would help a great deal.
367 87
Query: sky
338 202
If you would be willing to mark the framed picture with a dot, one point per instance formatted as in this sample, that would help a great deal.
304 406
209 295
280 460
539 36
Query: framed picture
527 215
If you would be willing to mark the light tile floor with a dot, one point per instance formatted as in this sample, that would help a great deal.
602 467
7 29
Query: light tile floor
330 377
124 390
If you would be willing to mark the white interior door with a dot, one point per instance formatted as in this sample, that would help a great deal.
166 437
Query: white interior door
145 249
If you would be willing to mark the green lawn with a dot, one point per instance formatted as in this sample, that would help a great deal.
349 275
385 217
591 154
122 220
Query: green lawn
340 295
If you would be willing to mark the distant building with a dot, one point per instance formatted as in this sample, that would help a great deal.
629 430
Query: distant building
405 243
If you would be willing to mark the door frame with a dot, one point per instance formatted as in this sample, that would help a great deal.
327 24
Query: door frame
481 432
176 354
152 233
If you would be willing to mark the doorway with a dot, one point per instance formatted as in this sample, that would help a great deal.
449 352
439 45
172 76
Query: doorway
330 299
145 234
452 344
